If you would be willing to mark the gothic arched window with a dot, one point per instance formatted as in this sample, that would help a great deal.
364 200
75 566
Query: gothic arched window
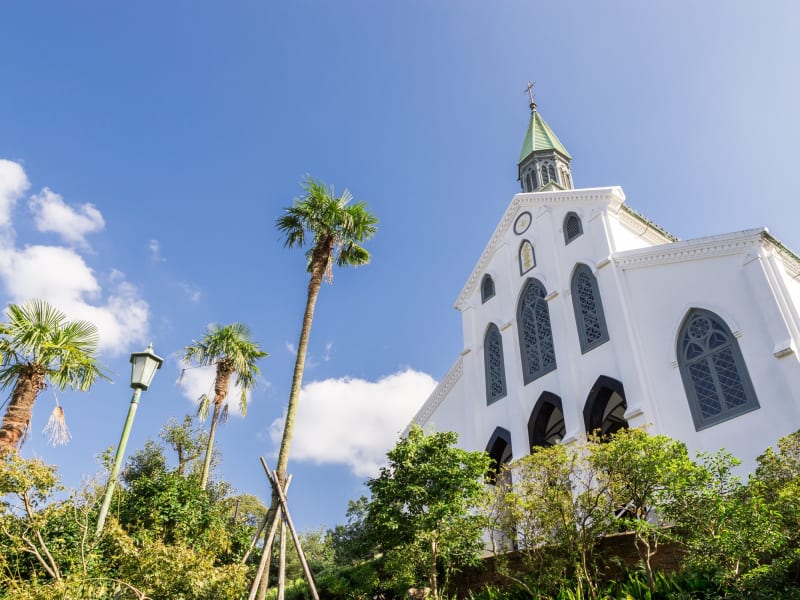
534 179
552 171
494 366
528 181
588 306
545 179
487 288
714 375
535 334
572 227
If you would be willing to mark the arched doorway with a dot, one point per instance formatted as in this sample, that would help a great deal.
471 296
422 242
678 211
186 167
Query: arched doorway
499 450
546 424
605 407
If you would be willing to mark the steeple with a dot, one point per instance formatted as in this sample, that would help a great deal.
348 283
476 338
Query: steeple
543 161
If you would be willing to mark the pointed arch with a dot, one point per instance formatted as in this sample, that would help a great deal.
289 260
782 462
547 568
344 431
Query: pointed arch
499 451
714 374
535 334
487 288
527 257
573 227
494 364
604 411
588 306
546 424
552 171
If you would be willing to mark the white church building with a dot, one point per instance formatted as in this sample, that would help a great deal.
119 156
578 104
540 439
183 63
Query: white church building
582 314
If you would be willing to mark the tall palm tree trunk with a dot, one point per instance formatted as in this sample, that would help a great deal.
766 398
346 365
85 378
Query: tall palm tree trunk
224 372
18 415
321 258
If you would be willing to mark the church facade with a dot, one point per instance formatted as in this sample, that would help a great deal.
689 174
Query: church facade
583 315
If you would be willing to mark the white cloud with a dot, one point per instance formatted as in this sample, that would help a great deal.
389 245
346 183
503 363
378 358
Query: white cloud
13 183
61 276
291 348
328 350
352 421
52 214
196 381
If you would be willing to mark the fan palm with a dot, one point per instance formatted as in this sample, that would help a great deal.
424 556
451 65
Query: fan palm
40 347
233 352
333 229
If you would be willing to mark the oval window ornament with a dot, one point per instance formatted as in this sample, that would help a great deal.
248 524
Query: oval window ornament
522 223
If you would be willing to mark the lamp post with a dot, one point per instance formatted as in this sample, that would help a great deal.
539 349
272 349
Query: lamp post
143 367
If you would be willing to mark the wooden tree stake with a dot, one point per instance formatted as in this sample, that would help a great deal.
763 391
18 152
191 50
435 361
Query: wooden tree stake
288 519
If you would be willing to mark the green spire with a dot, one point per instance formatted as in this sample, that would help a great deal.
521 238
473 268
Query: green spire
539 136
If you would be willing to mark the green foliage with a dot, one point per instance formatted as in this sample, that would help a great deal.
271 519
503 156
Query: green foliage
645 473
166 538
354 542
556 504
423 507
187 439
728 530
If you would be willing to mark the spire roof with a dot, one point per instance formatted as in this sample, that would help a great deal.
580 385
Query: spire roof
539 136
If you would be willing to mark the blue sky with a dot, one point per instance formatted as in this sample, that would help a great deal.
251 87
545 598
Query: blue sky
187 126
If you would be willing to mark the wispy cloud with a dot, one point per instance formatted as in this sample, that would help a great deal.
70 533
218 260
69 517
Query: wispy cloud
292 349
155 251
191 291
71 223
354 422
327 355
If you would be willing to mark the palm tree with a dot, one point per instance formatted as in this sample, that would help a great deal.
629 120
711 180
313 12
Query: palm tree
232 351
40 347
333 228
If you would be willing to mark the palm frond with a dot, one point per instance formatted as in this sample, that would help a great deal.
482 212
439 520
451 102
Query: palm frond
231 343
225 413
243 402
202 407
321 216
38 333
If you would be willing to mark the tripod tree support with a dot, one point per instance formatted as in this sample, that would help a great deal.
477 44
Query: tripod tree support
257 536
286 517
262 573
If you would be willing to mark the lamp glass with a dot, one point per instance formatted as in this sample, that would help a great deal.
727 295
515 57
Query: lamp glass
143 367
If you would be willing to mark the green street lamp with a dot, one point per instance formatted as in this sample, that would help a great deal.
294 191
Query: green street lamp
143 367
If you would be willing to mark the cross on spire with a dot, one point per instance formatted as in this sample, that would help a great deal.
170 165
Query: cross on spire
529 89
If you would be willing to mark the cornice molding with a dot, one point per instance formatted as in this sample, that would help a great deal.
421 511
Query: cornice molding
720 245
641 228
790 263
541 202
438 395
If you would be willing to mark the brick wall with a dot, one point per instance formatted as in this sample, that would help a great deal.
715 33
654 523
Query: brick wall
613 551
